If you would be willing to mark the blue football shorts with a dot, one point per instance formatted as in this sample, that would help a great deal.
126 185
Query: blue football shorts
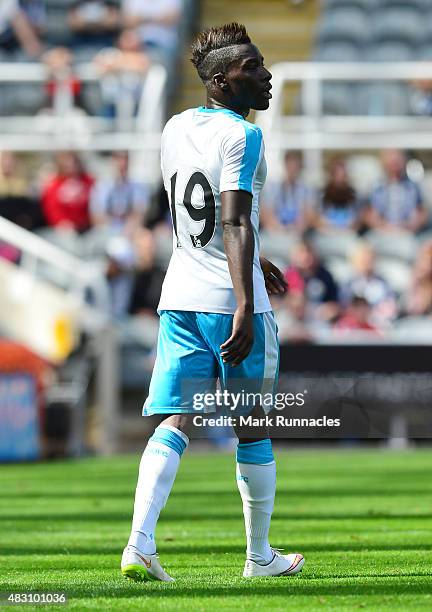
189 364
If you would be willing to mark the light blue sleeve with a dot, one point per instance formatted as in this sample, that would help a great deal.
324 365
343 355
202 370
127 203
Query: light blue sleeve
241 153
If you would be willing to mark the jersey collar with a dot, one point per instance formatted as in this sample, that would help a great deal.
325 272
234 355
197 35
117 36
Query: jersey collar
226 111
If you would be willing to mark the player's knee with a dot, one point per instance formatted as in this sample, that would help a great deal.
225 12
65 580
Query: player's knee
183 422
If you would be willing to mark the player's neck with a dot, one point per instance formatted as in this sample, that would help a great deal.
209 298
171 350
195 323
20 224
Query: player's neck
213 103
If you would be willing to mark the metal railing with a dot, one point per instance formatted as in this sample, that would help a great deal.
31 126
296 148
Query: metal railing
314 131
94 319
65 127
34 249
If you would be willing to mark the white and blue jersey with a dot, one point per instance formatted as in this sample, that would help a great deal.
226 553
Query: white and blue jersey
205 152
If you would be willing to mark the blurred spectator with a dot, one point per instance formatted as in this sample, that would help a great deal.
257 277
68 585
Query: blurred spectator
367 284
307 276
62 79
292 318
94 23
120 273
149 277
118 201
119 205
135 280
122 69
66 195
288 204
11 180
158 217
158 24
398 202
421 97
339 207
357 316
17 31
419 299
17 203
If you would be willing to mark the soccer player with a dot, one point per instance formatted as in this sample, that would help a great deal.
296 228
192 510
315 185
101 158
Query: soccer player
216 319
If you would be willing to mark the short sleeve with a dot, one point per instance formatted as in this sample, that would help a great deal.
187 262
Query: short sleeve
241 153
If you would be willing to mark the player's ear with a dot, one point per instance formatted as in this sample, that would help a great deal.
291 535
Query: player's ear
220 81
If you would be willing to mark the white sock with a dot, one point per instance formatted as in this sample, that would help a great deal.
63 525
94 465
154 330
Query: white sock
157 472
257 486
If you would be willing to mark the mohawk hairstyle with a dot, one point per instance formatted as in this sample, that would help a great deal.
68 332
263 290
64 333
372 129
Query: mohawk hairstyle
212 51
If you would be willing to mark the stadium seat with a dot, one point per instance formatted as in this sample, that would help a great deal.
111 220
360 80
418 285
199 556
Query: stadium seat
139 331
395 272
20 98
425 236
425 52
71 243
398 24
428 27
6 100
91 97
390 51
419 5
366 5
337 52
92 244
335 244
163 251
278 246
413 330
398 245
389 98
83 54
345 24
57 30
380 99
337 97
68 241
340 268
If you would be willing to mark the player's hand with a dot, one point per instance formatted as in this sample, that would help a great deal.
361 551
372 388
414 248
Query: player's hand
274 279
239 344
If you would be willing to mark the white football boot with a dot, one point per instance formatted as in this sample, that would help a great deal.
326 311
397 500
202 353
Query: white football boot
280 565
141 567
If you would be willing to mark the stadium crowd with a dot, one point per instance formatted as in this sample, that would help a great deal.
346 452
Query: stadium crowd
353 290
367 283
123 38
353 262
70 196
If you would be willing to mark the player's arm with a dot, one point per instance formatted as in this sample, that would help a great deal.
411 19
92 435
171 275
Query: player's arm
241 151
239 248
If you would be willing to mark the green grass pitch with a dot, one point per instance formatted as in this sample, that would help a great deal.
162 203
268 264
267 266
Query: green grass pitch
363 520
